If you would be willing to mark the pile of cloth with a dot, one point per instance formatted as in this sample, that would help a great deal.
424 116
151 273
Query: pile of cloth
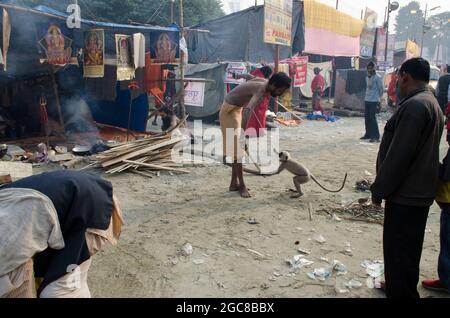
321 117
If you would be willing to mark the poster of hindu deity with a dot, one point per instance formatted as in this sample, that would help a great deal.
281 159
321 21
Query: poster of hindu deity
125 62
94 52
57 46
165 48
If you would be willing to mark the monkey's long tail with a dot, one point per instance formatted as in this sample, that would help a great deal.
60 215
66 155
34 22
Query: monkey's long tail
328 190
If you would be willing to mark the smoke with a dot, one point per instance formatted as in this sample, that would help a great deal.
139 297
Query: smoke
78 119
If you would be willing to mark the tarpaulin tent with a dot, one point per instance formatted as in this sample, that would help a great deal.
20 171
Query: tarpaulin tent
28 26
214 91
239 37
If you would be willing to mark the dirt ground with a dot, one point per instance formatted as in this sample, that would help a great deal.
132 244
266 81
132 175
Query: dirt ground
232 258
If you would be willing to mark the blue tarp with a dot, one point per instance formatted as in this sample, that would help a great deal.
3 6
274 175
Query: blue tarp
116 112
48 10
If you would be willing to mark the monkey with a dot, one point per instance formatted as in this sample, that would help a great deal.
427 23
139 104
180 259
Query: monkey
302 174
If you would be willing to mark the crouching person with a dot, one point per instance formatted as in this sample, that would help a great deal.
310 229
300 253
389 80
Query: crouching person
89 217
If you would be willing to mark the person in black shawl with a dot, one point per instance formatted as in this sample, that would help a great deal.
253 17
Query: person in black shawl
83 202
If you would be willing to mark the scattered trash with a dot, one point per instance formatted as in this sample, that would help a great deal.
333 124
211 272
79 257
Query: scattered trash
303 251
61 149
319 238
298 262
41 155
256 253
297 243
299 229
363 185
321 273
336 218
339 267
221 285
252 221
198 261
359 232
187 249
276 274
341 286
311 275
367 173
348 250
174 260
373 283
354 284
3 150
373 268
325 259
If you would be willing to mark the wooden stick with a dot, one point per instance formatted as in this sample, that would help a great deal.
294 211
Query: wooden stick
310 211
148 165
142 173
282 106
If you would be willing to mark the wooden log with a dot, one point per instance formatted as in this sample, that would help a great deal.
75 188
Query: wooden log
139 152
148 165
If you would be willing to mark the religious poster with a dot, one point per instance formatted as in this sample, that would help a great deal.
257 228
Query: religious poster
278 22
125 62
57 46
235 69
165 47
94 53
194 93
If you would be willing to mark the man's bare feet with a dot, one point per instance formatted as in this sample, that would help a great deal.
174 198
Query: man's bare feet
296 196
244 192
234 187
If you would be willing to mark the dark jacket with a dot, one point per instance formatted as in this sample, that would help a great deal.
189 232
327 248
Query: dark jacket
442 91
408 159
82 201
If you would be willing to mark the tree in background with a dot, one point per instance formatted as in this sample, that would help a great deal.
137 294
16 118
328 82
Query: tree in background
140 11
409 25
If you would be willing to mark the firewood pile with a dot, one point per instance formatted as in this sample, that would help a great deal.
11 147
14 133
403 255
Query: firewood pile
363 211
145 156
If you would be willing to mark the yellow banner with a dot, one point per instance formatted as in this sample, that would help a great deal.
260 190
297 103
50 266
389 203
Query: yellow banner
278 22
322 16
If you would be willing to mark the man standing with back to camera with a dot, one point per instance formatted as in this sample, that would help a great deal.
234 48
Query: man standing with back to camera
407 177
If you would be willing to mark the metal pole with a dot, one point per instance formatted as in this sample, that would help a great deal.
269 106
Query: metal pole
423 29
182 106
387 32
337 4
277 62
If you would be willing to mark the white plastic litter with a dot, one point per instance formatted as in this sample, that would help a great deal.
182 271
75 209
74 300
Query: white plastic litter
298 262
187 249
373 268
319 238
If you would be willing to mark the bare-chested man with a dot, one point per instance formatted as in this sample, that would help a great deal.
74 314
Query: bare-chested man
234 115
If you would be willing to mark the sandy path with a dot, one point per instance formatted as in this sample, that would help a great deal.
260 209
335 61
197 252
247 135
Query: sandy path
164 213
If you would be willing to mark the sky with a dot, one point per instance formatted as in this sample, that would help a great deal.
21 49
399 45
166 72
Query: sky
354 7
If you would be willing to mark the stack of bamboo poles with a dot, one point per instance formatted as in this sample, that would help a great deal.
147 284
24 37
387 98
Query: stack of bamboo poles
144 156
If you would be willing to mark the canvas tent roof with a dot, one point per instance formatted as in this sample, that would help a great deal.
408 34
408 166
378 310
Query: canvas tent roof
239 37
